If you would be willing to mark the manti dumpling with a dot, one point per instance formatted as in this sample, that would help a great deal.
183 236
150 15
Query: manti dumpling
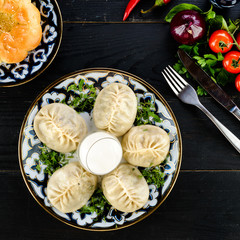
115 109
70 187
125 188
60 127
145 145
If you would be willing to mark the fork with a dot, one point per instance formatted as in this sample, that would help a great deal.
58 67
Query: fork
188 95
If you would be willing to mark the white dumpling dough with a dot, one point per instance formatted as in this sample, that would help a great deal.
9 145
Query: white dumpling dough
60 127
70 187
145 145
125 188
115 109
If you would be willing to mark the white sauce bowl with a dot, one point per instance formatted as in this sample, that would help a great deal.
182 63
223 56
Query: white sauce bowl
100 153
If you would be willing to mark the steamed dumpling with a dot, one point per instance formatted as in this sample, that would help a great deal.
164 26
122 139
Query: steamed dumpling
115 109
145 145
70 187
125 188
60 127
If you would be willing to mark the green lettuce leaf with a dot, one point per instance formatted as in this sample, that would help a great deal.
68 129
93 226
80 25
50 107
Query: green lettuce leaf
179 8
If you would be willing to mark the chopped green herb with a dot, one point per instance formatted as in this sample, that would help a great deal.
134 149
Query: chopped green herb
54 160
201 91
179 67
84 97
154 175
146 114
97 203
38 167
223 77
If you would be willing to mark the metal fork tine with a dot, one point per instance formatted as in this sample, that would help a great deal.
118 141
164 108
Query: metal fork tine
176 78
179 77
170 78
170 84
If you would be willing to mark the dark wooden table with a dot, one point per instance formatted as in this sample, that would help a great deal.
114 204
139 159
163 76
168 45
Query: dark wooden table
204 203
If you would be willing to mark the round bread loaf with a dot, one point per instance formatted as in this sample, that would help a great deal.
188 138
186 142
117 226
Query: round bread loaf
20 29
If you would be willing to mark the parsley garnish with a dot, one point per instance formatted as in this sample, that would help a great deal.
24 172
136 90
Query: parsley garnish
201 91
84 96
146 114
97 203
211 63
154 175
54 160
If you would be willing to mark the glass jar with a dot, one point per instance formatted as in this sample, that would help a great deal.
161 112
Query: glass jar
224 3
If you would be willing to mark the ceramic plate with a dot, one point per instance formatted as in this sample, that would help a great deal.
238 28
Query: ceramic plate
40 58
29 149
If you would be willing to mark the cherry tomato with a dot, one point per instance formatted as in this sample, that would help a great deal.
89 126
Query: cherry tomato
238 39
237 82
231 62
220 41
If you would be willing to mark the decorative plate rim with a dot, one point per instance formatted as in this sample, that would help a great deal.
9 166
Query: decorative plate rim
159 96
8 85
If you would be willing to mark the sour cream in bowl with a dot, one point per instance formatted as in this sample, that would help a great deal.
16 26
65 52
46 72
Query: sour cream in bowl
100 153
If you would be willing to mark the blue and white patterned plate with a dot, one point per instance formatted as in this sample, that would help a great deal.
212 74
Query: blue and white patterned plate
29 149
41 57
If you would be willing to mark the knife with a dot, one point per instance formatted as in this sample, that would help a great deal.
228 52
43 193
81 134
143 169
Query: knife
208 84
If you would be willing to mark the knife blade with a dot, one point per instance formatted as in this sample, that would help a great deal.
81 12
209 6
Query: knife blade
208 84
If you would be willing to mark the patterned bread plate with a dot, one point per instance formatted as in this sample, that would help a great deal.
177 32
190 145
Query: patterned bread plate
41 57
29 144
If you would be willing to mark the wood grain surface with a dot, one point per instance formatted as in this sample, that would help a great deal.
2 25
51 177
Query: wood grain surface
204 203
